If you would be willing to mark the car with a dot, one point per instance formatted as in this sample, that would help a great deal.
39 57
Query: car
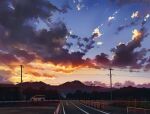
38 98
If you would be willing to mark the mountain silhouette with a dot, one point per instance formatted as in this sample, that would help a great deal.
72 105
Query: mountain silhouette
67 87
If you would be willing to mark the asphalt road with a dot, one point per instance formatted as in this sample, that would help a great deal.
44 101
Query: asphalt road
75 107
27 110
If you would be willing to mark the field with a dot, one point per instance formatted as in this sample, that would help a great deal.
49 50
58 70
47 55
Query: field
27 110
27 107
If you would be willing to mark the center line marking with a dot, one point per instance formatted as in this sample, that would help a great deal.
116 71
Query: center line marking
80 108
63 108
95 109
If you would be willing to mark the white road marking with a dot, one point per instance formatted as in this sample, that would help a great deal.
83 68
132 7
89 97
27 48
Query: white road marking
63 109
95 109
80 108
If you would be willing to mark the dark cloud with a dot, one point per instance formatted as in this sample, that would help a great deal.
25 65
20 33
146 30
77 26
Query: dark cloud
137 17
7 58
144 85
17 18
129 83
95 35
126 2
74 36
68 45
14 13
37 74
138 21
66 7
86 39
84 44
147 66
128 25
102 59
95 83
64 58
125 84
24 55
117 84
126 54
125 57
49 42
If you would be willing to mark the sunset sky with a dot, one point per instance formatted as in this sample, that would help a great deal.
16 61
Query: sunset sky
65 40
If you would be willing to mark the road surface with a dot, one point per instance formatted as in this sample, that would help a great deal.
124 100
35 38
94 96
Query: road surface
75 107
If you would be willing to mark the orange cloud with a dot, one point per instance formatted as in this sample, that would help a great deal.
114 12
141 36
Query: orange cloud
48 66
137 35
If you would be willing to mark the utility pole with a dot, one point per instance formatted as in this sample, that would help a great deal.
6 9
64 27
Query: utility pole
110 83
21 66
21 89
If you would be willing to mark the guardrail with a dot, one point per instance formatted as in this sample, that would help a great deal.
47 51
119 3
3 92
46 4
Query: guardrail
28 103
133 103
96 104
134 110
25 101
120 106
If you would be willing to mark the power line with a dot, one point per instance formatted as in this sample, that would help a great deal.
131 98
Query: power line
114 75
134 76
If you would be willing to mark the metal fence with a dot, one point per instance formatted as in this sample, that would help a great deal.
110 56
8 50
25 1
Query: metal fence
120 106
134 110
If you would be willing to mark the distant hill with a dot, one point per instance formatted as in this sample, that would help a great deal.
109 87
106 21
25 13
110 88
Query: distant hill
77 85
34 85
68 87
7 85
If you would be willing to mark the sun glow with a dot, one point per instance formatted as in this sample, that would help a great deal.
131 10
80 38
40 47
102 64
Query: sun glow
38 70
